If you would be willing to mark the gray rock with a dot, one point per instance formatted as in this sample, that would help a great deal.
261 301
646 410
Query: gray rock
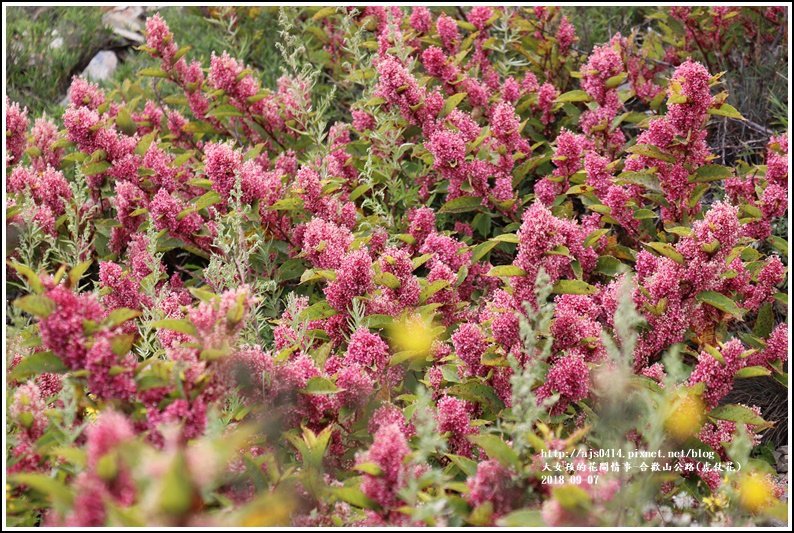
101 66
781 459
126 18
126 22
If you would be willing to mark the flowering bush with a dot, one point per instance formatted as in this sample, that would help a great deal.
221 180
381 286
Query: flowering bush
444 247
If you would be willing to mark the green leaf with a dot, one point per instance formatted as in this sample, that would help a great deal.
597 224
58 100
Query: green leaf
317 311
474 391
721 302
432 288
175 324
181 52
207 199
122 344
153 73
572 497
738 413
765 321
92 169
522 518
354 497
291 269
125 123
77 272
451 103
577 95
726 110
649 150
287 204
781 245
324 12
466 465
506 271
53 488
616 80
176 488
224 110
573 286
496 448
482 249
320 385
143 145
667 250
594 237
461 204
38 363
752 372
388 279
708 173
121 315
643 179
506 237
32 278
36 305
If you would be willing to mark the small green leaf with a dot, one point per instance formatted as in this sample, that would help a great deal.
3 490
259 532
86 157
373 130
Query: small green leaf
594 237
667 250
726 110
121 315
92 169
573 286
125 123
36 305
643 179
461 204
721 302
38 363
752 372
496 448
320 385
432 288
354 497
506 237
504 271
224 110
77 272
616 80
649 150
369 468
175 324
708 173
153 73
765 321
738 413
53 488
482 249
32 278
451 103
577 95
572 498
474 391
466 465
317 311
207 199
522 518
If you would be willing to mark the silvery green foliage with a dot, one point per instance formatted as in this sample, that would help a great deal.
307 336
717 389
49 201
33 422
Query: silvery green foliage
534 327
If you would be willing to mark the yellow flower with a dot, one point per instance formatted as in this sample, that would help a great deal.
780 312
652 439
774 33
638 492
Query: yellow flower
686 413
412 338
715 502
756 493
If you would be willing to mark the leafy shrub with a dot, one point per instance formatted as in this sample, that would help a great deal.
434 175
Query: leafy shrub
441 246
